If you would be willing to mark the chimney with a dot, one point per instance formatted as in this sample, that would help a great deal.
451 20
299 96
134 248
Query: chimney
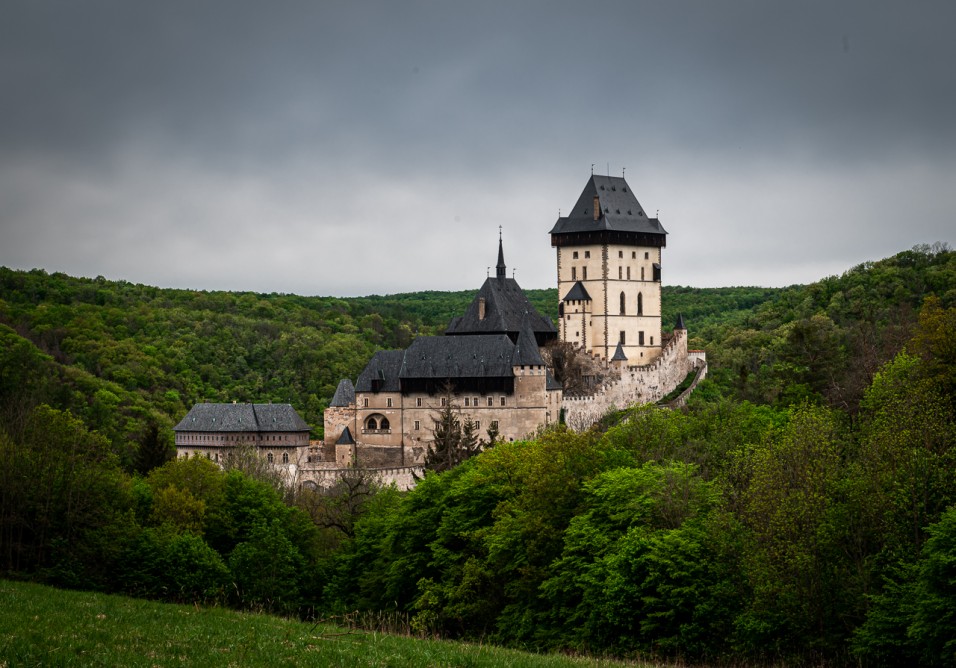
481 308
597 207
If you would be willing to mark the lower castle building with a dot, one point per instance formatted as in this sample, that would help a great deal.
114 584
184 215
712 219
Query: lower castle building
488 366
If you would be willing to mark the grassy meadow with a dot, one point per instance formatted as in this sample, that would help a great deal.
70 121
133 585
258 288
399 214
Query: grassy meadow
44 626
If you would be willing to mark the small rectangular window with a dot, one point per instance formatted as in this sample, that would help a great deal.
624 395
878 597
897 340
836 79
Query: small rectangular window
388 402
587 254
574 273
647 256
584 273
474 402
466 401
652 340
444 402
418 402
620 254
574 255
365 402
640 338
622 338
628 273
633 255
418 425
494 424
491 401
502 401
477 425
620 273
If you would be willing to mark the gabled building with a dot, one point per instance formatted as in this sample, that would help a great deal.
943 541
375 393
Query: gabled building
488 365
276 431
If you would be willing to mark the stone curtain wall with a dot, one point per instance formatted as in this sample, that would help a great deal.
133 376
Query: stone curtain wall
636 385
323 477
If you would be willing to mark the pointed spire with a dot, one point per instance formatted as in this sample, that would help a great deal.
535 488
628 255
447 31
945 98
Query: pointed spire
680 322
500 268
619 355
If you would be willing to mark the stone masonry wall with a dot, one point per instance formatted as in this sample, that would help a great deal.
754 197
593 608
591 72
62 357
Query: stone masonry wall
636 385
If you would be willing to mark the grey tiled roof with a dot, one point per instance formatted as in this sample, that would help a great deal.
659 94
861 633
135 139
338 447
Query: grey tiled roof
577 293
346 438
242 418
680 322
619 355
526 350
344 394
467 356
382 371
507 310
620 210
550 382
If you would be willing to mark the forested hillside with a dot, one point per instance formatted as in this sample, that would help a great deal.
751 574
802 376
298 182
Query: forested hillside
129 360
801 509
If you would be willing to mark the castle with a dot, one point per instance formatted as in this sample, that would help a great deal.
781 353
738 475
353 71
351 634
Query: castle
494 363
492 360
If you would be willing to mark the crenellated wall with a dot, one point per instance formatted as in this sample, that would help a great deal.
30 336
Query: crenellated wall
324 475
635 385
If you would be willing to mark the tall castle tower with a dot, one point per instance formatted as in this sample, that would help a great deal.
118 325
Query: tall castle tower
609 273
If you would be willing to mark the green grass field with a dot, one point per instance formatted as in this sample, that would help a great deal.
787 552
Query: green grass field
43 626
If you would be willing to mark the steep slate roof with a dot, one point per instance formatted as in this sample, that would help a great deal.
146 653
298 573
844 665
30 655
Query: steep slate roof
383 368
620 210
577 293
344 394
346 438
550 382
619 355
526 350
507 309
680 322
242 417
467 356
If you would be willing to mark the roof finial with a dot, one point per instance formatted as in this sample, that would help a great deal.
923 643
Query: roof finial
623 169
500 269
592 169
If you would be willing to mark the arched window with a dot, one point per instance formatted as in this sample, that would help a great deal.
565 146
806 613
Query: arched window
384 423
640 303
371 424
269 457
285 457
622 303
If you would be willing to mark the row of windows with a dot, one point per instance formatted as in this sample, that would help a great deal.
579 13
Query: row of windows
269 457
236 439
494 425
469 401
640 339
620 273
620 254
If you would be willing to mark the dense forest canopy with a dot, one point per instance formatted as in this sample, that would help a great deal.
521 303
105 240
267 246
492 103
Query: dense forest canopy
801 508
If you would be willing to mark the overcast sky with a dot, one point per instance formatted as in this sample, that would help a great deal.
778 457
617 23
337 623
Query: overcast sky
349 148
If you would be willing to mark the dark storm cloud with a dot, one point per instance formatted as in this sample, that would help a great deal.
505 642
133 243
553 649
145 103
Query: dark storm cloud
288 146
